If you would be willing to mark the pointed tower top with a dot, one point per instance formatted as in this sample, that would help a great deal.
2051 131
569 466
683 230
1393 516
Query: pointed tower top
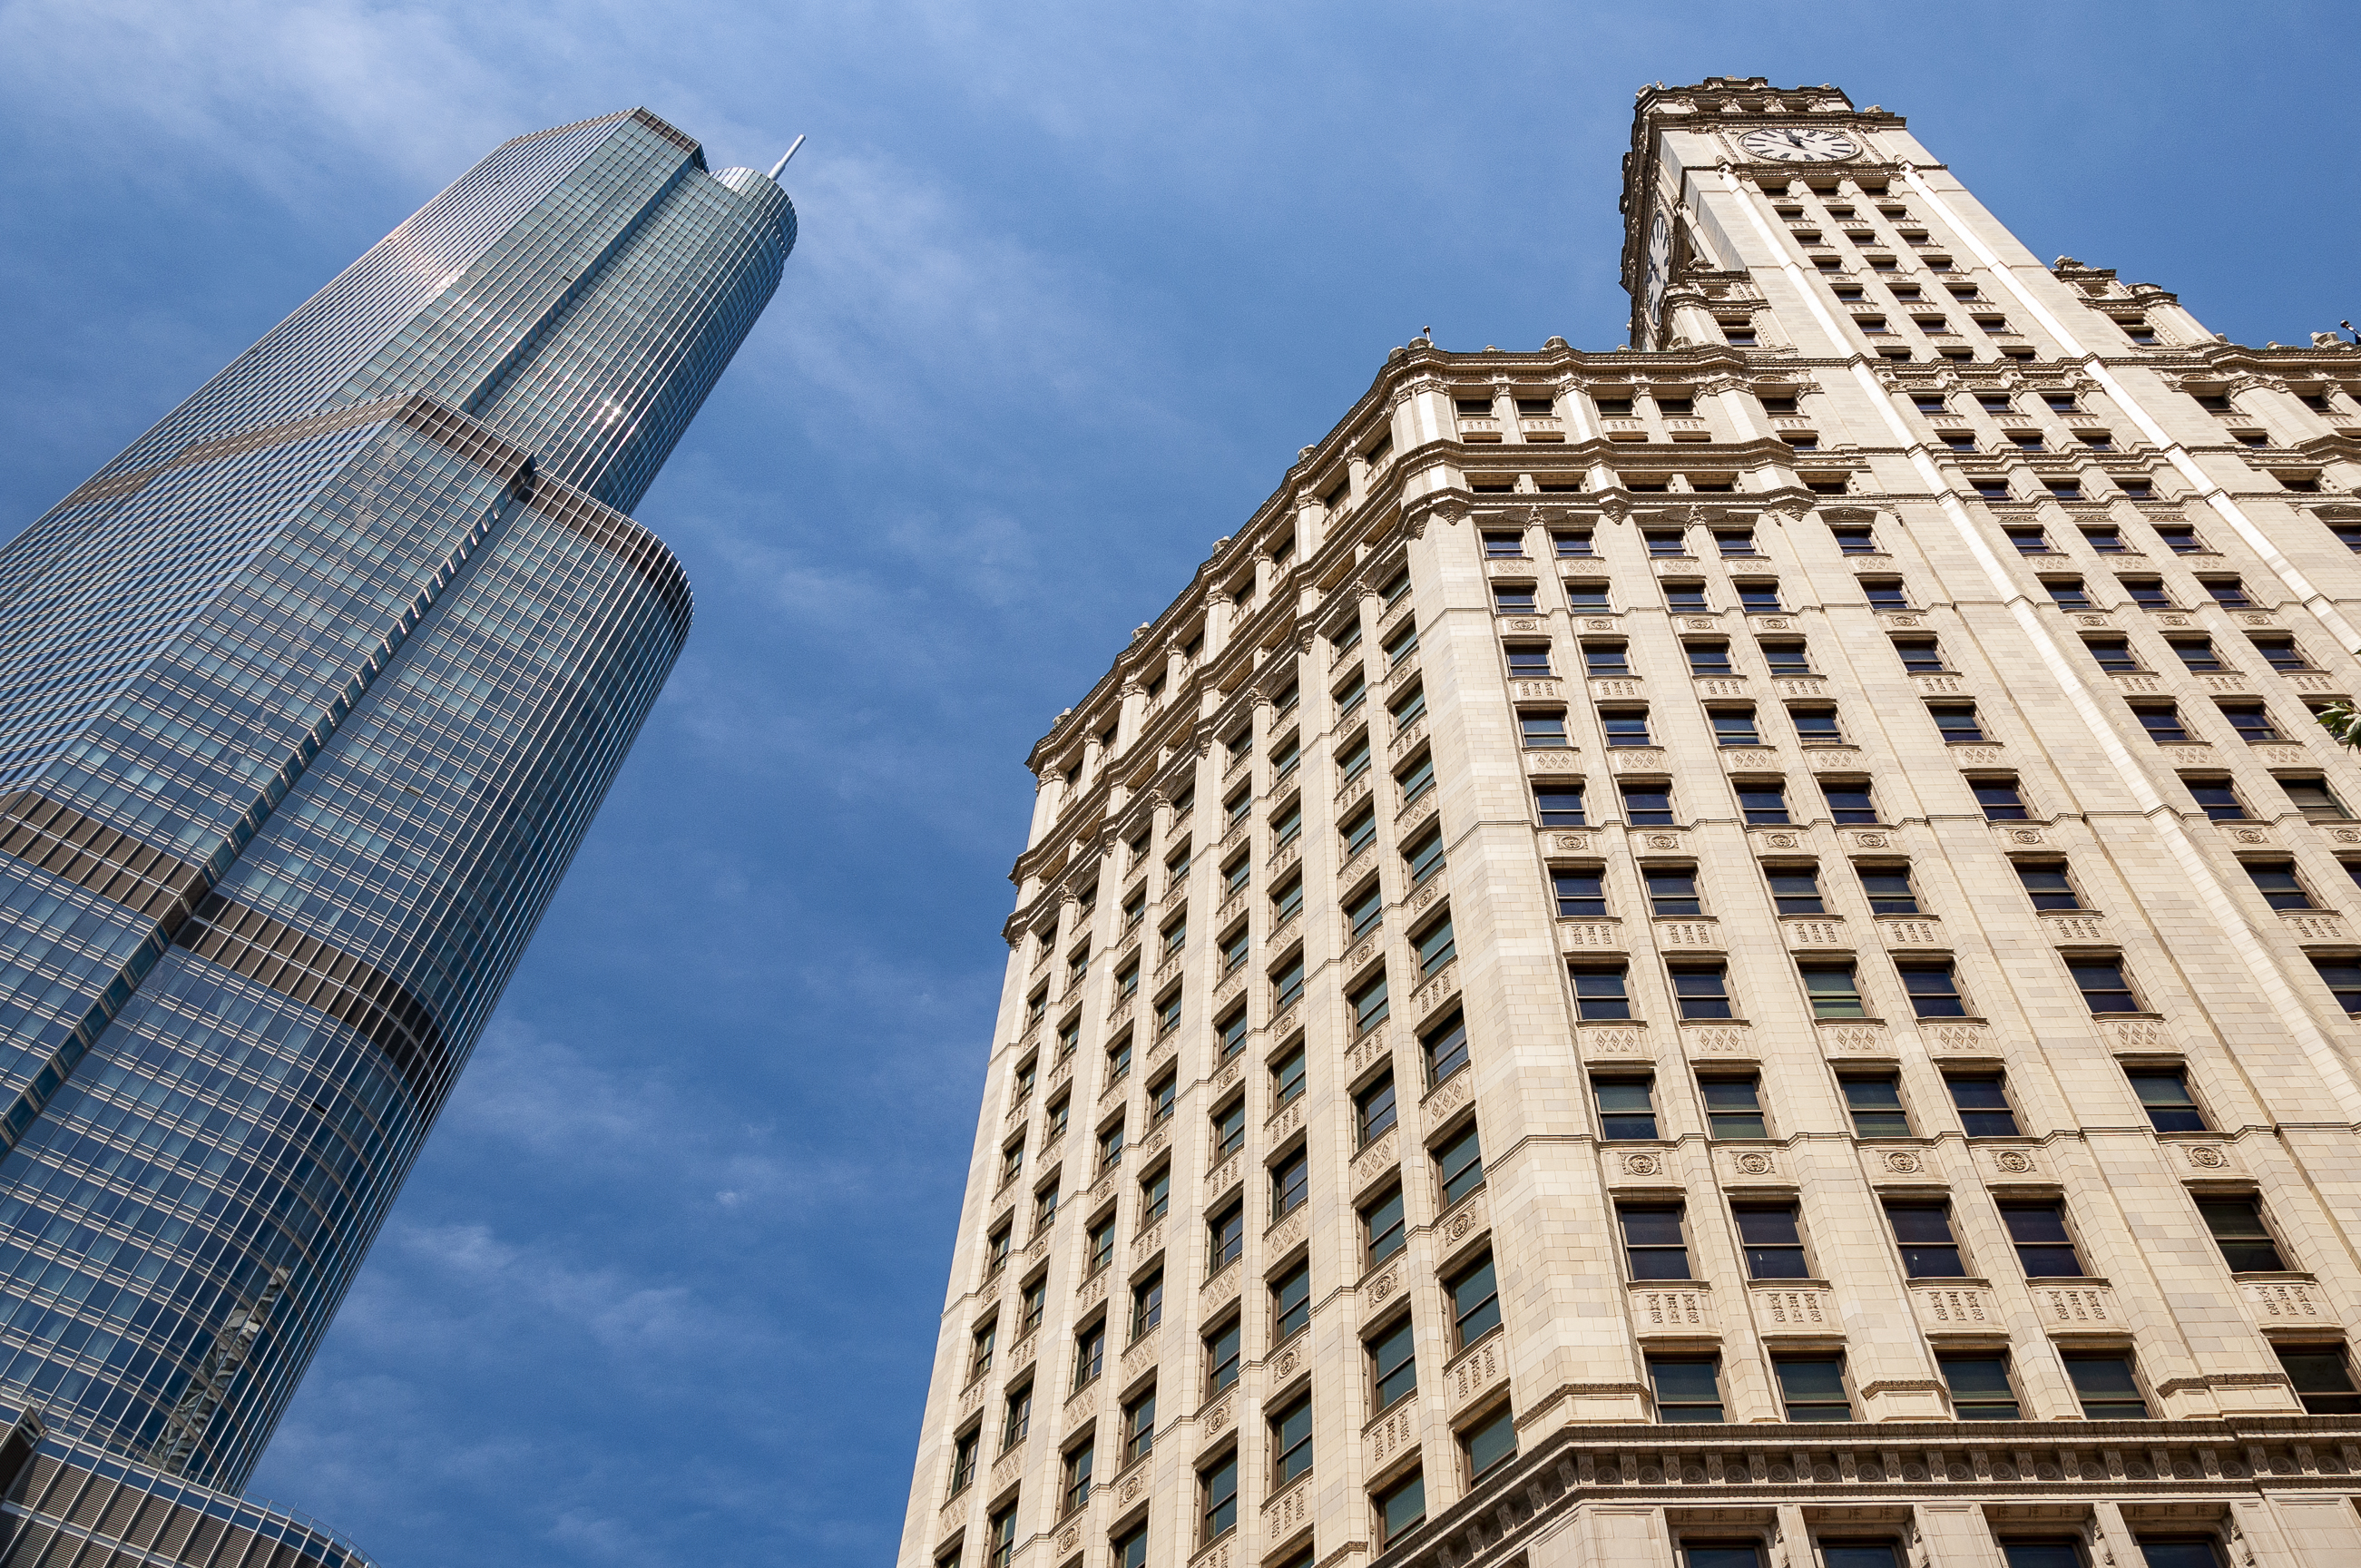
784 157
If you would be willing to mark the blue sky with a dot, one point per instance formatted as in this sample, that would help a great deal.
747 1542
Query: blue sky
1074 284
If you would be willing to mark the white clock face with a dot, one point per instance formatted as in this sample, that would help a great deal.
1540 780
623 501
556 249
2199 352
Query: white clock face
1800 144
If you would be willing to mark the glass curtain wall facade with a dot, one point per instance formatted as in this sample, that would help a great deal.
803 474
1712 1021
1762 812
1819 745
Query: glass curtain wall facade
1739 951
306 701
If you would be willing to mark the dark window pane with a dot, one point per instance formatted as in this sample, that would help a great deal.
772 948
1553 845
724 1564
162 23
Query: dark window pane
2107 1388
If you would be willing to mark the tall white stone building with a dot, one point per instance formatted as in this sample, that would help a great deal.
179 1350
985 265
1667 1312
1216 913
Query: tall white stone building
1732 953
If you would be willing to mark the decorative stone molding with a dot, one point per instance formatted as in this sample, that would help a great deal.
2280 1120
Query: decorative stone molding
1672 1309
1789 1310
1377 1158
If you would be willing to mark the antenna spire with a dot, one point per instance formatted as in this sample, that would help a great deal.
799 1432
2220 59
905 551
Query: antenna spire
784 157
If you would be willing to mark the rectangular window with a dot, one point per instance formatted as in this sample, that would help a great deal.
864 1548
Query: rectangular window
1227 1229
1580 891
1423 855
1734 1107
2312 798
1359 831
2146 592
1572 543
1923 1232
1232 1031
1528 662
1598 995
1539 731
1625 727
1627 1107
1816 726
1982 1100
1666 541
1444 1047
1089 1354
1513 598
1602 659
2279 884
2067 593
2044 1247
1369 1005
1884 593
1853 540
1771 1240
2108 1391
1156 1195
1291 1302
1381 1229
1875 1104
1687 1388
2031 541
1356 760
1735 727
1291 1441
2000 799
1701 992
1393 1365
1016 1416
1560 805
2217 799
1849 804
2162 722
1733 543
1979 1386
1757 596
1491 1443
1409 708
2281 654
964 1453
1287 984
1288 902
1672 889
1957 722
1933 989
1077 1478
1686 598
2114 655
1586 593
1287 1078
1920 656
2323 1380
1217 1500
2228 592
2047 884
2196 653
1708 658
1796 889
2237 1223
1503 547
1102 1246
1367 911
1221 1358
2164 1095
1139 1428
2342 977
1290 1185
1459 1166
1001 1536
1374 1109
2101 980
1401 1508
1832 989
2252 721
1812 1388
1763 802
1647 805
1475 1304
1653 1244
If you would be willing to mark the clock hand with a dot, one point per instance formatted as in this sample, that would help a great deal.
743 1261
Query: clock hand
1794 140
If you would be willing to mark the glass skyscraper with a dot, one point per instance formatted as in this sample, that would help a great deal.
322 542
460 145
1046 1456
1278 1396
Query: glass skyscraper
306 701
